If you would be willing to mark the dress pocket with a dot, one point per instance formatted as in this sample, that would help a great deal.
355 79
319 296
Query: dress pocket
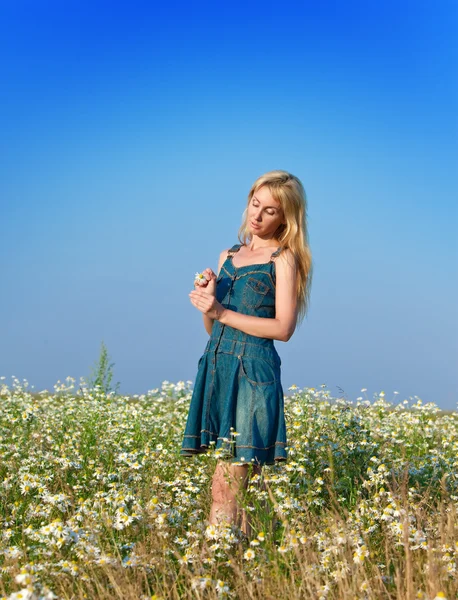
257 371
254 293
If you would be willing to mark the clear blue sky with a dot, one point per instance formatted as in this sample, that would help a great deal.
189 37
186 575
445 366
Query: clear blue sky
131 134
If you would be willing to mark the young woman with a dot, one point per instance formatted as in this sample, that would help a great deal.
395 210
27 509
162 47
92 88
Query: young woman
261 292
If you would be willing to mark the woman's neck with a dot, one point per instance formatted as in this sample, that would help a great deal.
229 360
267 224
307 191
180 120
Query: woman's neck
253 246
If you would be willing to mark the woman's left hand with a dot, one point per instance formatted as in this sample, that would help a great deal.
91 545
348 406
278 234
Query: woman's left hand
206 303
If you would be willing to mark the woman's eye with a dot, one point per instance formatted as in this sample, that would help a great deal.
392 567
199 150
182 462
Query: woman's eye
271 213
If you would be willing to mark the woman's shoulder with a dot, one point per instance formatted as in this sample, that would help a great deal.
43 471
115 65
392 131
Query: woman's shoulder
222 257
225 252
286 258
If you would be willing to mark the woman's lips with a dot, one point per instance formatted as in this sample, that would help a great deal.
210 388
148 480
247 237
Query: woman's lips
254 225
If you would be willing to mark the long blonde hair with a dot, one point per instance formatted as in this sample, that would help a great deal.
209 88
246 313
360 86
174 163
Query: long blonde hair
288 190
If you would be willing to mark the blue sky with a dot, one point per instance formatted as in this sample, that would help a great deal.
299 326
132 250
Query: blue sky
131 134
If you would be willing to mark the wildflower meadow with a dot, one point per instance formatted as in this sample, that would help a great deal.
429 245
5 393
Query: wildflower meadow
96 501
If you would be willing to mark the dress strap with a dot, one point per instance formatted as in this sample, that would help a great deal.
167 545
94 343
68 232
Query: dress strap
235 248
276 253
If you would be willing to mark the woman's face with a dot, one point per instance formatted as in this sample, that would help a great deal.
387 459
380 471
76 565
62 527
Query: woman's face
264 214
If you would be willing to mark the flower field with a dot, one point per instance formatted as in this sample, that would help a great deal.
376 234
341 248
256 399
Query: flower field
96 501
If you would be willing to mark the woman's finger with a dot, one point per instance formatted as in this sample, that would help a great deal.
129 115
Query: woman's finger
195 296
200 303
199 292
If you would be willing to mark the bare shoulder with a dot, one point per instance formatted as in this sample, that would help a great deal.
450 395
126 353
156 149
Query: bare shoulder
286 261
223 256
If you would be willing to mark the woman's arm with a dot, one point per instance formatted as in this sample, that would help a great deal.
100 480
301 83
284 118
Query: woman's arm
283 325
208 321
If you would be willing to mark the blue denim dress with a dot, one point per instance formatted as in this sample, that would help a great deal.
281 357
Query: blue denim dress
237 388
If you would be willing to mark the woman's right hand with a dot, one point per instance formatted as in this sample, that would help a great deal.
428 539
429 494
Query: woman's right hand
210 285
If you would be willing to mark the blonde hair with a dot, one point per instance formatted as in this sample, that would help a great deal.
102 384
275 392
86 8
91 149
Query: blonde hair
289 192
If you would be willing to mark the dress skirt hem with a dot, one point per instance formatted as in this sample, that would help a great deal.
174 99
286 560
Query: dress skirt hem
244 455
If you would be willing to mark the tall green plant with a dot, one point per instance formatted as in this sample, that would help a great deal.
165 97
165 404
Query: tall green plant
102 372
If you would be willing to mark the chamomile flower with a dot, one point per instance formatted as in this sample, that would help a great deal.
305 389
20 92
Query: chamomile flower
200 278
360 554
222 587
212 532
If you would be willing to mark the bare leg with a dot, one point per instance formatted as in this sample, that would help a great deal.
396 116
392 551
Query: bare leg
226 482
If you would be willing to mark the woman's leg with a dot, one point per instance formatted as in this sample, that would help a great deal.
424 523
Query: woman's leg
226 482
